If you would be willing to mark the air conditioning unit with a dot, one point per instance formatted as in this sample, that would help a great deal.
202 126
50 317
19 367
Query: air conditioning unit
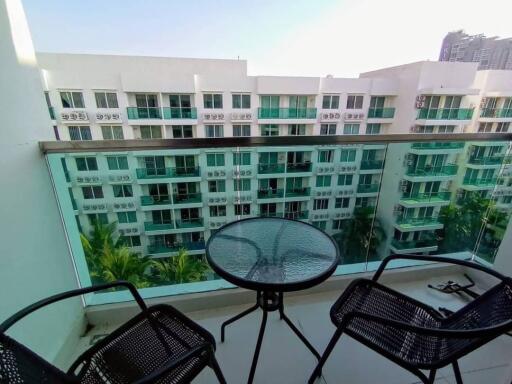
343 169
409 162
248 173
241 173
222 173
420 101
210 174
404 183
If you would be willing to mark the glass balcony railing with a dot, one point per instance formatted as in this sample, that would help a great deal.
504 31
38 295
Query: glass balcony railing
424 171
445 113
287 113
135 113
51 110
368 188
179 113
381 113
298 192
496 112
270 193
438 145
363 211
271 168
371 164
187 198
487 160
159 173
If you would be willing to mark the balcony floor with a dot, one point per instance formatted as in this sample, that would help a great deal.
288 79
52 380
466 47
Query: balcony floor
285 360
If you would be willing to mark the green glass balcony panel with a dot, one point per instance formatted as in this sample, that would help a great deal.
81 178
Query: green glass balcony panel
488 160
427 197
371 164
367 188
438 145
189 246
135 113
480 181
496 112
412 244
445 113
190 223
51 110
298 167
382 113
187 198
287 113
179 113
270 193
154 173
155 200
270 168
150 226
271 214
417 221
186 172
300 215
445 170
291 192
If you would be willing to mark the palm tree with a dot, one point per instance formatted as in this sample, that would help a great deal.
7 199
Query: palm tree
100 236
360 237
179 269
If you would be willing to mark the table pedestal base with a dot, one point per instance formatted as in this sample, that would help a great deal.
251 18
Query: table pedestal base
268 302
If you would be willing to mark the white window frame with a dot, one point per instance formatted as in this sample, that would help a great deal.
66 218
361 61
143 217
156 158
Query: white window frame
109 131
213 130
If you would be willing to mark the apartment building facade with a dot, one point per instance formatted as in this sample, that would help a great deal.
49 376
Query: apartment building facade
163 200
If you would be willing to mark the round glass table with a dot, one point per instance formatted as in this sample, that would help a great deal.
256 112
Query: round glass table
271 256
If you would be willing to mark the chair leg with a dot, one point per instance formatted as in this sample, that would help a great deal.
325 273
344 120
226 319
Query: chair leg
432 376
218 372
456 371
318 370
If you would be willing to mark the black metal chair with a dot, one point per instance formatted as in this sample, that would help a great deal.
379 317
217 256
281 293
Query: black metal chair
415 335
159 345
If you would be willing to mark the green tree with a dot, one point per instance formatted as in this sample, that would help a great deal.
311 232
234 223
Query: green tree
178 269
360 236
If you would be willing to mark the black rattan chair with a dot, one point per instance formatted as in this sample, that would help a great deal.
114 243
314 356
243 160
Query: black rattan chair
159 345
415 335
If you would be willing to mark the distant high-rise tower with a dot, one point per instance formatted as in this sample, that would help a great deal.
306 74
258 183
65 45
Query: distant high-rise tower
490 52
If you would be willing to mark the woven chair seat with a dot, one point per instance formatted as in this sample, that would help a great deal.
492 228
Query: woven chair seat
143 345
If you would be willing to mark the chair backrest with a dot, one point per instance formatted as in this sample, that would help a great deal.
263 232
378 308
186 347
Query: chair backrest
18 364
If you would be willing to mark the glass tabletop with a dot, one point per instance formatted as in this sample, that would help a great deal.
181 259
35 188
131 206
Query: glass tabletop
272 254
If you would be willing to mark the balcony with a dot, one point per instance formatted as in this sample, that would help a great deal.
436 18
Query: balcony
381 113
172 248
371 164
298 167
286 113
425 198
270 214
162 173
486 160
187 198
270 168
300 215
171 113
270 193
149 226
298 192
368 188
412 246
496 113
432 171
438 145
480 182
155 200
190 223
142 113
445 114
418 223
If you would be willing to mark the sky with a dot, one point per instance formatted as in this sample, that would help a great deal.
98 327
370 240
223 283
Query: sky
276 37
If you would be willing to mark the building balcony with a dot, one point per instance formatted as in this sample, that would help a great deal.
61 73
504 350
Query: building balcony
413 246
171 113
437 147
155 200
479 182
431 198
381 113
371 164
496 113
271 214
142 113
486 160
301 215
162 173
445 114
270 168
368 188
270 193
190 223
418 223
173 248
298 167
436 172
187 198
298 192
286 113
149 226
